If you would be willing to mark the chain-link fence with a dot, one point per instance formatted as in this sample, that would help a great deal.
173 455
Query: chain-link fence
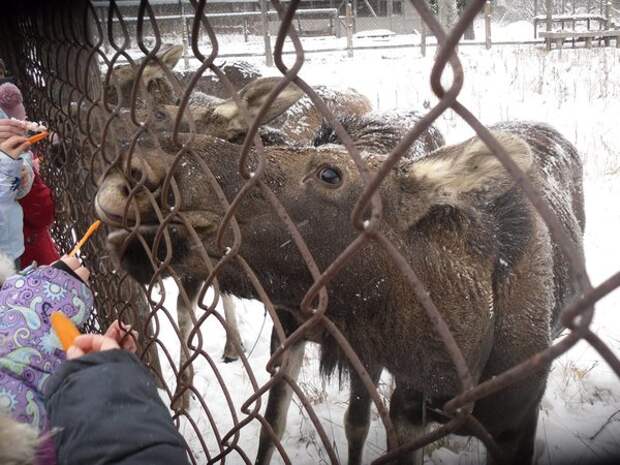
453 271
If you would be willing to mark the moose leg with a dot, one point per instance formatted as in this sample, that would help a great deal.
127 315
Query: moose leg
406 413
186 320
280 396
357 416
511 417
518 444
233 346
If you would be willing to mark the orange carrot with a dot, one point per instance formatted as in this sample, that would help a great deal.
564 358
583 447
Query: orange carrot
90 232
37 137
64 328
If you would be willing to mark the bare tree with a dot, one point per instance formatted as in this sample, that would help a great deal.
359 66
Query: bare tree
469 32
447 10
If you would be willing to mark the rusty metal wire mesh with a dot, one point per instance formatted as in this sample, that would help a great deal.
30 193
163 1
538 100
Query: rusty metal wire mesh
66 78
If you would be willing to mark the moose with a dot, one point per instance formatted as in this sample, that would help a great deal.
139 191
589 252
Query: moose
292 119
457 217
375 131
157 82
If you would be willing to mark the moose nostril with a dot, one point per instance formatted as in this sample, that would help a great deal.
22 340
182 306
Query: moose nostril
135 175
124 190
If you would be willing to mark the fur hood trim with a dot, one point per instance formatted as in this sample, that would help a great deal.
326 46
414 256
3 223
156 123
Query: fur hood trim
18 442
7 268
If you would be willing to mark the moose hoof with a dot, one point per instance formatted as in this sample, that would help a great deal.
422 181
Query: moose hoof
232 355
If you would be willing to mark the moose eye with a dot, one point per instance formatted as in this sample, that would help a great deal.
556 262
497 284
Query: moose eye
330 175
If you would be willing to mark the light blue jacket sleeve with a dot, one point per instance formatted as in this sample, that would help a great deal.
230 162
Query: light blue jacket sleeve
27 173
10 172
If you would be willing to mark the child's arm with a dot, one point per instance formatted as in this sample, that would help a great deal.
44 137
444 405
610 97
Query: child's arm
105 408
11 166
26 177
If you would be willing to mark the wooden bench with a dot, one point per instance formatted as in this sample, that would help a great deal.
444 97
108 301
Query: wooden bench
558 37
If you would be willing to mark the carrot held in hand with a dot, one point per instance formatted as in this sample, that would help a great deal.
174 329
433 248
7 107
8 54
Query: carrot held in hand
64 328
90 232
37 137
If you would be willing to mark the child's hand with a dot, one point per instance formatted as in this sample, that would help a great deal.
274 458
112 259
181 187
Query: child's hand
14 146
123 335
89 343
11 127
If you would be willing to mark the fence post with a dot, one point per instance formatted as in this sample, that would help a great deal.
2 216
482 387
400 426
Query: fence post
266 38
548 24
487 23
349 25
338 31
423 39
185 36
607 22
390 13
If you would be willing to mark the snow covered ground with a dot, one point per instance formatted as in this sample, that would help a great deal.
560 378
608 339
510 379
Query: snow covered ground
577 91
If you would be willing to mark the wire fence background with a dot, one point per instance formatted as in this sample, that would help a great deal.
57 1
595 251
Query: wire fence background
59 53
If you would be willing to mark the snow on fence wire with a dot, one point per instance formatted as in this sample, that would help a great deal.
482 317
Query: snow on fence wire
56 50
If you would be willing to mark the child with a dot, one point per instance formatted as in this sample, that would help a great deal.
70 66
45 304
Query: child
38 208
16 177
100 406
30 350
38 204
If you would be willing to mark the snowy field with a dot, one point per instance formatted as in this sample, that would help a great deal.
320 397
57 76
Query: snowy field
577 91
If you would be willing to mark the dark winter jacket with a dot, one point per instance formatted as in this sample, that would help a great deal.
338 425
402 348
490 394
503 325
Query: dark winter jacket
38 206
106 409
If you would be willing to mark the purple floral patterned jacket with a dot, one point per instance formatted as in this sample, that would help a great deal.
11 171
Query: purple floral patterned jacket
29 348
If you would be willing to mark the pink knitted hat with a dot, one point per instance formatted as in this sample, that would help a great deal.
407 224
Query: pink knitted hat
11 101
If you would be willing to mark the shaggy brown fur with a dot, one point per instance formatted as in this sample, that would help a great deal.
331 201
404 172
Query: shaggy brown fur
381 133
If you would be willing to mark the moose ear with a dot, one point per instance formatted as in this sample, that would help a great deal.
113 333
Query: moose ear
254 95
169 56
449 174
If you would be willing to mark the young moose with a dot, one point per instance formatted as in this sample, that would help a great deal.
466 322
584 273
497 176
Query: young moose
456 216
293 118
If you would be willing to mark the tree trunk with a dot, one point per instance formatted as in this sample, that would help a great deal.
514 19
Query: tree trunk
469 32
447 13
